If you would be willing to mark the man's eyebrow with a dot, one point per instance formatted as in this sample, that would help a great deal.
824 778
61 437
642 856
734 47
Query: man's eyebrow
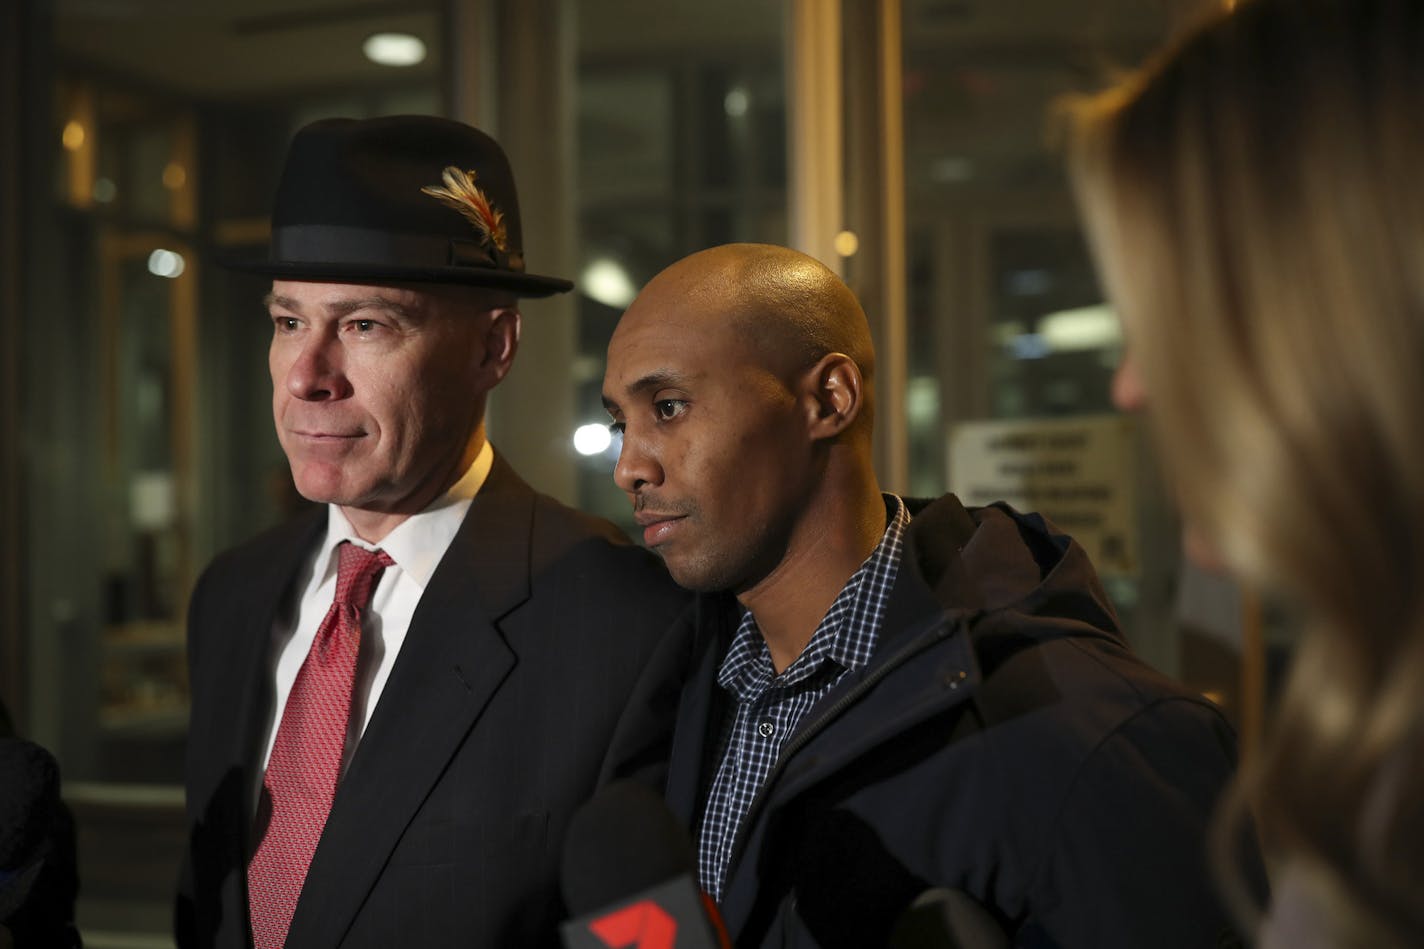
656 379
346 307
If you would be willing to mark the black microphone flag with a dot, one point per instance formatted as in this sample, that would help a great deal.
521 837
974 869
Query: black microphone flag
629 875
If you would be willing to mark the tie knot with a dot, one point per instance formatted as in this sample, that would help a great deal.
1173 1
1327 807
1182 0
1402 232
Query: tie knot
356 574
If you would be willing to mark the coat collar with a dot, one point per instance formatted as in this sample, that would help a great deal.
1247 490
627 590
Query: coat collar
251 641
933 589
923 665
963 577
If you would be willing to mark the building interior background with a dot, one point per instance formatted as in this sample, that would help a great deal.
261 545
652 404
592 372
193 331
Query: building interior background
906 143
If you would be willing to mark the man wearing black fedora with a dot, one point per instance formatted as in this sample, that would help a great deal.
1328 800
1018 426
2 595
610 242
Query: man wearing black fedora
399 699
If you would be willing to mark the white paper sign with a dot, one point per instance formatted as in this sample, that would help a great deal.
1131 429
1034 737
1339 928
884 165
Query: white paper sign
1080 473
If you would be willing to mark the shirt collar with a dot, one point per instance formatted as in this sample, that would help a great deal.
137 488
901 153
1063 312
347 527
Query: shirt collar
417 543
847 634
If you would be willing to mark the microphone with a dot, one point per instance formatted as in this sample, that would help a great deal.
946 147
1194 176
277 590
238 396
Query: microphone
629 876
29 808
947 919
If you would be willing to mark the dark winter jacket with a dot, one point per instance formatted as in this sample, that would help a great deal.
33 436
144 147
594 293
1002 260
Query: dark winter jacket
1002 741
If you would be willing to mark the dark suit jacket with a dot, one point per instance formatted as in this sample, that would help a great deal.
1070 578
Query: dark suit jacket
495 724
39 876
1002 741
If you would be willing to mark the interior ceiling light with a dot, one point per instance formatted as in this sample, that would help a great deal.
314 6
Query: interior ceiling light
592 439
394 49
165 263
608 282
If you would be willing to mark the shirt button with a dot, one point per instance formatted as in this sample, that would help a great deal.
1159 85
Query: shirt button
767 728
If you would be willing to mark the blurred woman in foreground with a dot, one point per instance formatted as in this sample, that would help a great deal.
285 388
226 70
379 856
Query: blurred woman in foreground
1255 201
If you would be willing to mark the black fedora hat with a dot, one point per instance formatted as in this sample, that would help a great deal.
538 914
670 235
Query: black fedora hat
404 198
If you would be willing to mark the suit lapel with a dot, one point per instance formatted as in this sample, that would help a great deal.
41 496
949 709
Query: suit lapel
453 661
226 748
252 644
702 708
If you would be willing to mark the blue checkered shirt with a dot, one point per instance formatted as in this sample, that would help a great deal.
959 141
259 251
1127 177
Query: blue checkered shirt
769 706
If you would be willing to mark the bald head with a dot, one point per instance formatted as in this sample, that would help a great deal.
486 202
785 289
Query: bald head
789 308
739 378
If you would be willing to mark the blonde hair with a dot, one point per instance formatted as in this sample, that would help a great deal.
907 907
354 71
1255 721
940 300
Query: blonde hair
1254 199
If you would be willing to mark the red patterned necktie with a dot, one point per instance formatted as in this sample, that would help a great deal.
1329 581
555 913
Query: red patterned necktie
306 756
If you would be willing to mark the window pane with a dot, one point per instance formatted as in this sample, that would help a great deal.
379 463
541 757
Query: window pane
682 144
1006 315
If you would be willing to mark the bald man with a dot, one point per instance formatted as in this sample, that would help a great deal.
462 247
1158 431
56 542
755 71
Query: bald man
887 695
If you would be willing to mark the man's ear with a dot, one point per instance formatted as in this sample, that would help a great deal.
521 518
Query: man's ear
501 342
834 395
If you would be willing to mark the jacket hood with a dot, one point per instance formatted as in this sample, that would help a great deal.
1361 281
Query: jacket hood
1004 565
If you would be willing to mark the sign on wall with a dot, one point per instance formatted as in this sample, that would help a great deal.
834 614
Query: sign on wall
1081 473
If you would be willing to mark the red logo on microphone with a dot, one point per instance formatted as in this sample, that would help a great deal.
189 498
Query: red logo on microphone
643 925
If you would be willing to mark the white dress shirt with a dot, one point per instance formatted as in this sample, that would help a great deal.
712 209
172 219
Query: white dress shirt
417 546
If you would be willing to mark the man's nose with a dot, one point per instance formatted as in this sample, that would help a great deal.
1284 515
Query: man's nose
637 465
317 374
